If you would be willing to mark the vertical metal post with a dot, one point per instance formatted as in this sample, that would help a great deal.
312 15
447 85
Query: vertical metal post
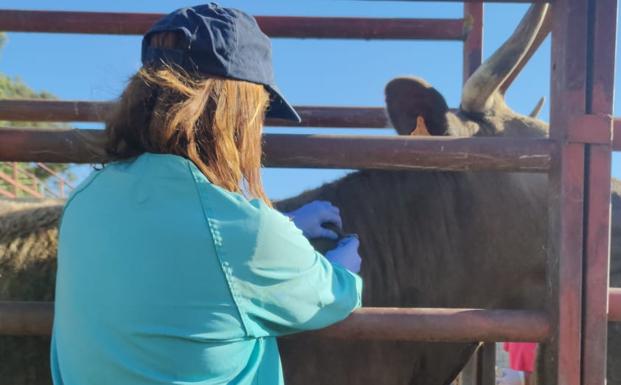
599 102
35 183
473 45
15 176
566 194
486 364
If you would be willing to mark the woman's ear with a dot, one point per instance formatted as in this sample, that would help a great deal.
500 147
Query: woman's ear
415 107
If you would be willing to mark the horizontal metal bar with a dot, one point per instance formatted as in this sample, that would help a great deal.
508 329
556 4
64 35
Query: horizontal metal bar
274 26
408 153
336 117
590 129
26 318
312 151
403 324
614 304
464 1
34 110
441 325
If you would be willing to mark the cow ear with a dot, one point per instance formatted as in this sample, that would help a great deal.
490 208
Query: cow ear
412 102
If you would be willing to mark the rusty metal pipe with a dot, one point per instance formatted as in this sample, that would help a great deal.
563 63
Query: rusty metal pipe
473 45
274 26
312 151
83 111
441 325
26 318
408 153
403 324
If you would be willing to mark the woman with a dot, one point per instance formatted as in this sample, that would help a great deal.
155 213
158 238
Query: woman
173 267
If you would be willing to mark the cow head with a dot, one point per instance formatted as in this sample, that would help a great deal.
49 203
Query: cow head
416 108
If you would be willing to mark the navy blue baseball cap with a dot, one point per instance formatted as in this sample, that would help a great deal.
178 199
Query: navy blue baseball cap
219 41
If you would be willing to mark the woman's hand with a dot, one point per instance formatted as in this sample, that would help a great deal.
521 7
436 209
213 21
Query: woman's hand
346 253
311 216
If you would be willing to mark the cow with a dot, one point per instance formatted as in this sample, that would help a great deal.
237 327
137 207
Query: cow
428 239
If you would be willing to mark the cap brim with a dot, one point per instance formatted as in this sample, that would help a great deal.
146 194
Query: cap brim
279 108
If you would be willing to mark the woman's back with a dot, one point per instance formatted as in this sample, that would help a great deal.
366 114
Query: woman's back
148 262
166 278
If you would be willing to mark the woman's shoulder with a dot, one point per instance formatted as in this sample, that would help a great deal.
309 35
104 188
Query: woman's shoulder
150 170
155 164
147 163
218 201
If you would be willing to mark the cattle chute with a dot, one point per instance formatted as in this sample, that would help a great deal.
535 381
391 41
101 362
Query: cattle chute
577 159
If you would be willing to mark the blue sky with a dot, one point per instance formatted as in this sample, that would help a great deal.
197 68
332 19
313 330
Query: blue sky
310 72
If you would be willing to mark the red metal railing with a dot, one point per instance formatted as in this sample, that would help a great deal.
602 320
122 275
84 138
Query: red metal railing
274 26
23 183
13 183
316 151
312 116
81 111
417 324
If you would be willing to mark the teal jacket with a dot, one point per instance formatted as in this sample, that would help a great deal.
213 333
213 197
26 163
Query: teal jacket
165 278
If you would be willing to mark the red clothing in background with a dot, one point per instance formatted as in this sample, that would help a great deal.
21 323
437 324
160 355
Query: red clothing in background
521 355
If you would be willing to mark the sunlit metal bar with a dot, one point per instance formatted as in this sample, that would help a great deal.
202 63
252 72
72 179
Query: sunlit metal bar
312 151
32 318
82 111
417 324
274 26
614 304
408 153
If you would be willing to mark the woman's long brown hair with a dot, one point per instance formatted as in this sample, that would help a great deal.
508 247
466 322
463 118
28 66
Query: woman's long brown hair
214 122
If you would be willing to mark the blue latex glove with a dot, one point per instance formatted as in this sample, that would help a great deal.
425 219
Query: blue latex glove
346 253
309 218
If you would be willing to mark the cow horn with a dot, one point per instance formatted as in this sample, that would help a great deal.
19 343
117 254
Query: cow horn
535 112
485 81
543 32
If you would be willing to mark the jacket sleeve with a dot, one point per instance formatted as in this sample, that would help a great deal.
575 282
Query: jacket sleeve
286 286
